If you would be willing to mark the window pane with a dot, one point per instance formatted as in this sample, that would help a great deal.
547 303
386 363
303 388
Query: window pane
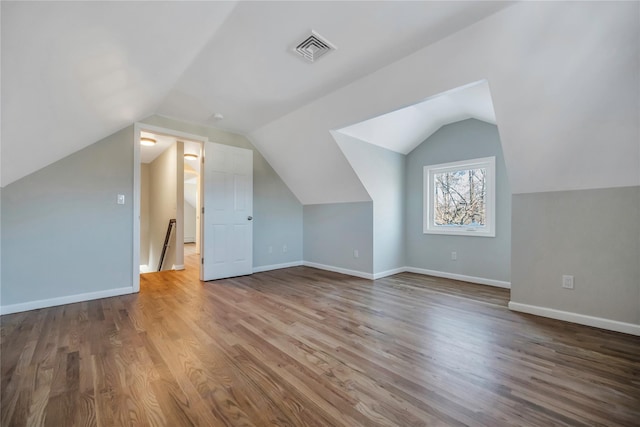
459 198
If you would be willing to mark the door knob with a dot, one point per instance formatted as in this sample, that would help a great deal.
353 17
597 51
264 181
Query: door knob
249 218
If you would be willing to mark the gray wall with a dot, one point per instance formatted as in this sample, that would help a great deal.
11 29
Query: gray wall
144 214
593 235
189 222
1 292
277 212
333 230
382 173
62 231
163 206
482 257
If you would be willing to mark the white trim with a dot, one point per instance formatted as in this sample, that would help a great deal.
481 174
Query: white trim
429 171
262 268
339 270
69 299
462 277
389 273
189 240
135 282
178 267
171 132
444 274
582 319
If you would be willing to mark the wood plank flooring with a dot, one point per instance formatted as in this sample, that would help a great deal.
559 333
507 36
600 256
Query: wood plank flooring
304 347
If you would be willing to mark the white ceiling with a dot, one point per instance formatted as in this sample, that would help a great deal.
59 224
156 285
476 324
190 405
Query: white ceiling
149 153
84 70
249 74
76 72
564 85
404 129
563 77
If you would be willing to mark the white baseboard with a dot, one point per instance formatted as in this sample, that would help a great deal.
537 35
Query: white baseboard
389 273
262 268
454 276
178 267
582 319
189 240
478 280
69 299
339 270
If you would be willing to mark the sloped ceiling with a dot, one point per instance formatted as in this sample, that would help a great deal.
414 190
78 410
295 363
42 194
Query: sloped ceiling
404 129
563 78
248 72
75 72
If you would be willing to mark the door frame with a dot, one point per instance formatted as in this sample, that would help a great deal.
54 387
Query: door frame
137 128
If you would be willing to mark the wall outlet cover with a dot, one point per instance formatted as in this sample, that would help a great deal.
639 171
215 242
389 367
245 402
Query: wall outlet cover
567 281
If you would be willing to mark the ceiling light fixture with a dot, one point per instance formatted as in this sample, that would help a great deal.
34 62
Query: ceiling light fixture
149 142
190 156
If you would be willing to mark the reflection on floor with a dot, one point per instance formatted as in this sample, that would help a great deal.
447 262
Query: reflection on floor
189 250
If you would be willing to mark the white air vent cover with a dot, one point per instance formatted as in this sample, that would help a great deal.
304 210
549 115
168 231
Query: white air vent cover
313 47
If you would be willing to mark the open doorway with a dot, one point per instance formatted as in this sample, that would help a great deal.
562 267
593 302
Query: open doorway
224 233
168 218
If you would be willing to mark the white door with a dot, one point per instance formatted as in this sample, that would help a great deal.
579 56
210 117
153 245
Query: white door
227 244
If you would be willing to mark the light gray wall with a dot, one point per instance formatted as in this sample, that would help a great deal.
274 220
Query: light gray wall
481 257
163 206
333 230
277 212
1 247
189 221
144 214
62 232
179 258
593 235
382 173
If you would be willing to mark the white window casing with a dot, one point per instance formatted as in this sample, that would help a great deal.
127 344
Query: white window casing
431 172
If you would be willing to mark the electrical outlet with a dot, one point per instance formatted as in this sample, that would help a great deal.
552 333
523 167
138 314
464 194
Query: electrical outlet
356 253
567 282
270 249
454 256
284 248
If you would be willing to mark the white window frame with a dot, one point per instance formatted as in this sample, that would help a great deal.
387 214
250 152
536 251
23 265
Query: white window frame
429 226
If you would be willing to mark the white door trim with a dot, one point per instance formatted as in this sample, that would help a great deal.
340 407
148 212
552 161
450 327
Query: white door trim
137 128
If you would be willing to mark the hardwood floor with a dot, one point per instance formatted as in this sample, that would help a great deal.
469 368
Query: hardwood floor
304 347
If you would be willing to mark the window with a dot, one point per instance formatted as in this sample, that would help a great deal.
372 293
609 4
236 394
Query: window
459 198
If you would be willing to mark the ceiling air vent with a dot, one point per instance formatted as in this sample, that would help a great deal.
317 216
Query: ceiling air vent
313 47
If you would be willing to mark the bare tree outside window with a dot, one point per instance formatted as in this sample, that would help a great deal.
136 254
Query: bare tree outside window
459 198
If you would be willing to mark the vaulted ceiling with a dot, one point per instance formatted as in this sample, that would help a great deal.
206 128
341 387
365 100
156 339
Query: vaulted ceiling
74 72
404 129
563 79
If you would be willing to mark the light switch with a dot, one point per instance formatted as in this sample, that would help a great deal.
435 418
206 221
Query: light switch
121 199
